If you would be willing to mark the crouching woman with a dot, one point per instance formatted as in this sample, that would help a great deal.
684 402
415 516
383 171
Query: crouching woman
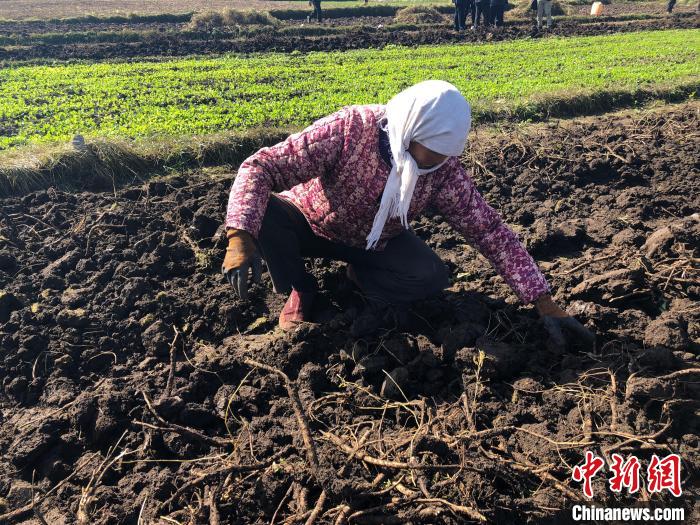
347 187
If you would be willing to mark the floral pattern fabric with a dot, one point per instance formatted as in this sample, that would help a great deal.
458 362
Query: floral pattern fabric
334 173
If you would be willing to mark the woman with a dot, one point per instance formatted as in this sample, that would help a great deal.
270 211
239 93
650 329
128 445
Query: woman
350 184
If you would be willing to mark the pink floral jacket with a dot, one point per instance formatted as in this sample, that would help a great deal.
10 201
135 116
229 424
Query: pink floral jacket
334 173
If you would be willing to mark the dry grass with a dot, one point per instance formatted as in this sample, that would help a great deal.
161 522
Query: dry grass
419 15
209 20
104 165
522 9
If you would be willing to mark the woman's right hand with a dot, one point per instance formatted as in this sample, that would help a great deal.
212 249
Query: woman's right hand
241 257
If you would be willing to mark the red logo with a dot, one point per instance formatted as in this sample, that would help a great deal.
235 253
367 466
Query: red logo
665 474
625 474
587 471
661 474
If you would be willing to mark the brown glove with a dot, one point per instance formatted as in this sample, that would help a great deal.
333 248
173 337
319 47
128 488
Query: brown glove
241 256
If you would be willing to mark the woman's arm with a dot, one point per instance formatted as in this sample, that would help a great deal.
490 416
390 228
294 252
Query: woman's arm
465 209
303 156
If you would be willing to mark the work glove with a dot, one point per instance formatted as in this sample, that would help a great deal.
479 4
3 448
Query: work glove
241 257
566 332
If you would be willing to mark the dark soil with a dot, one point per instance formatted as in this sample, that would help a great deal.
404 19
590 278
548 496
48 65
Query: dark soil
168 43
36 27
634 8
110 301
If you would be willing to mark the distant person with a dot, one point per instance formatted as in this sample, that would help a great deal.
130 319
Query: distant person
316 4
481 13
496 10
461 7
471 9
671 5
544 7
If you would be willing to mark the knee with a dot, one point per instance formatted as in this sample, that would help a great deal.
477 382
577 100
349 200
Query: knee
440 277
432 275
275 224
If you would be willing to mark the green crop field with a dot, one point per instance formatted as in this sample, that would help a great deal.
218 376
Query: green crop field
205 95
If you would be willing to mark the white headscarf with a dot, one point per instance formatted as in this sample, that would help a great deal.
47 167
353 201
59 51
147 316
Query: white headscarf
433 113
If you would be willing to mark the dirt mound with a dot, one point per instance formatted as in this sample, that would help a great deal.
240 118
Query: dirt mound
135 386
418 15
211 20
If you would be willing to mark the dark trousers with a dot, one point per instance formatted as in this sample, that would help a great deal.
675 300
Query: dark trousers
671 5
481 11
461 15
406 270
317 10
496 14
471 9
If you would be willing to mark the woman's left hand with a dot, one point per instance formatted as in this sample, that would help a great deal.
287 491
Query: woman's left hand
564 331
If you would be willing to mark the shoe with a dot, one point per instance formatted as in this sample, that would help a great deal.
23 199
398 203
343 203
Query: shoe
296 310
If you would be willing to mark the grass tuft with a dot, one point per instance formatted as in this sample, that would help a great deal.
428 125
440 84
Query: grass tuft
419 14
106 164
209 20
